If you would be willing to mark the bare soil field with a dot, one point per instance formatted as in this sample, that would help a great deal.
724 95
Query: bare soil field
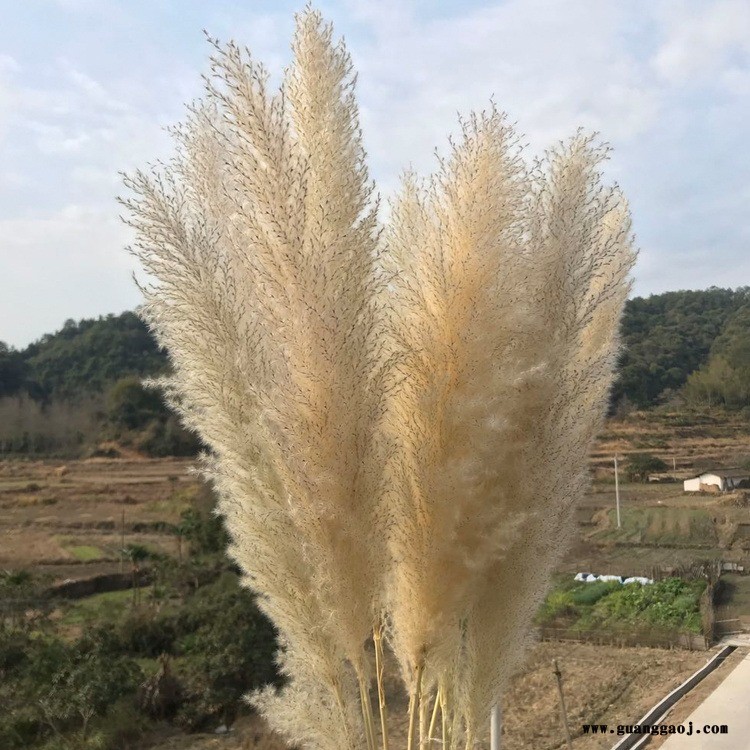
63 517
685 441
603 685
662 526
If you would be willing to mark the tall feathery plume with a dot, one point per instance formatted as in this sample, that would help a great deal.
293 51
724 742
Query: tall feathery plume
262 239
506 303
397 427
580 252
454 248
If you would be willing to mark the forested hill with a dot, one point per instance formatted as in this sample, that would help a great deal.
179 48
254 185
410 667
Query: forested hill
81 358
666 338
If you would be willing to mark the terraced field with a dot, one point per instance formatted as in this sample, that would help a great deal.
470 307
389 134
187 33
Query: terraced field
73 519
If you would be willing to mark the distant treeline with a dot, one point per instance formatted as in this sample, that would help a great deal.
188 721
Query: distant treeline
80 386
81 359
693 346
82 382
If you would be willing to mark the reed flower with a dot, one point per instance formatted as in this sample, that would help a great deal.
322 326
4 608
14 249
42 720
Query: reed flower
397 418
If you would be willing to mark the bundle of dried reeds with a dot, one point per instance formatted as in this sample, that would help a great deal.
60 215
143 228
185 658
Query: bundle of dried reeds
398 418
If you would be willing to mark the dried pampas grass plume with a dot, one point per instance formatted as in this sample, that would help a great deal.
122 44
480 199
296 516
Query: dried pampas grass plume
397 418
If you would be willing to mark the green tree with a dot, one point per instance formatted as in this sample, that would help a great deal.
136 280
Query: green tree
85 686
640 465
230 653
132 406
12 371
202 526
725 378
91 355
668 336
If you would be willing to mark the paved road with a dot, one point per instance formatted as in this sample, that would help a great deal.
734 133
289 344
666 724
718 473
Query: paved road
729 704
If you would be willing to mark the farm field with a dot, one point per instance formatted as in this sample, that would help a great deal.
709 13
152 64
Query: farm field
69 519
64 514
75 525
683 441
68 516
661 526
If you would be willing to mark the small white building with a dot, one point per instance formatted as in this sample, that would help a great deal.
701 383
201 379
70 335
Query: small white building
718 480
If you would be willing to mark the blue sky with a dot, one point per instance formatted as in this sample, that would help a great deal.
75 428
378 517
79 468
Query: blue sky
87 87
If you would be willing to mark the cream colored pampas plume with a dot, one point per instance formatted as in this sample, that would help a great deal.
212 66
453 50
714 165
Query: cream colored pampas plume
397 420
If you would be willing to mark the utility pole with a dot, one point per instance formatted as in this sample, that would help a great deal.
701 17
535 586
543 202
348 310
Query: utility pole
495 727
558 675
122 542
617 493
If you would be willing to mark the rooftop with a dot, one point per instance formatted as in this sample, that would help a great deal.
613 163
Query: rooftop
727 473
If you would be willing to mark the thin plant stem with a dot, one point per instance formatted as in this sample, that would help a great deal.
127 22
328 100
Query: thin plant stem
409 738
423 702
364 697
339 700
433 719
444 719
379 669
414 702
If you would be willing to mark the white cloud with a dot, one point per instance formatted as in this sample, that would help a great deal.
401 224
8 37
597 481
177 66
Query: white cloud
666 83
93 91
108 7
551 66
702 38
53 139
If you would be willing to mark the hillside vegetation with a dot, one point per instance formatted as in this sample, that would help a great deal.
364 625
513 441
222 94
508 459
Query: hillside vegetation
81 359
667 337
81 384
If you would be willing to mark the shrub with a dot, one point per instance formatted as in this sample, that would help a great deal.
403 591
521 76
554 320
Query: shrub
101 638
557 603
230 649
147 634
131 406
85 687
19 589
122 726
19 726
226 647
161 694
14 650
204 530
640 465
167 438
